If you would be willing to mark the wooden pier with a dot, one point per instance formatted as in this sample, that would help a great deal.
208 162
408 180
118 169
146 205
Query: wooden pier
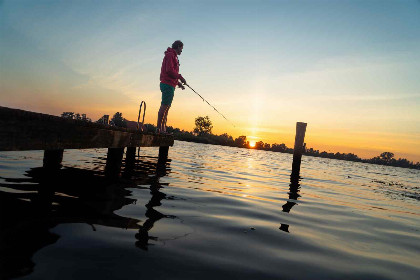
23 130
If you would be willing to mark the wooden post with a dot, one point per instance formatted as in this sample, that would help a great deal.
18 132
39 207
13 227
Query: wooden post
130 156
163 152
130 161
53 158
298 149
113 162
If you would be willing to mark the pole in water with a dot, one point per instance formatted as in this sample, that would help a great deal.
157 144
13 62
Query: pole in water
299 148
209 104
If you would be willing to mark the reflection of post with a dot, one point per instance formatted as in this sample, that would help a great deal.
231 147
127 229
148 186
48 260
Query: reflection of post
293 193
293 197
113 162
298 149
53 158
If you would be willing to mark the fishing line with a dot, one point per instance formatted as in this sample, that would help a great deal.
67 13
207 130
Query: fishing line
210 105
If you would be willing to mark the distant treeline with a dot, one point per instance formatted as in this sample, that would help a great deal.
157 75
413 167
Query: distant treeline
202 134
224 139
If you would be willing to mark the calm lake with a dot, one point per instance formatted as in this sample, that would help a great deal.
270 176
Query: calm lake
208 212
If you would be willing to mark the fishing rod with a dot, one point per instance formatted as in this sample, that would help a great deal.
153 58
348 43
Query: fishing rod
209 104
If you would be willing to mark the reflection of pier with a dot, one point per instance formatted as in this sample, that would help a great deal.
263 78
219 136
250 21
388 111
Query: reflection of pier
30 207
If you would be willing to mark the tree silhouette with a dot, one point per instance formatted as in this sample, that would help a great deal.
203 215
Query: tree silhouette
118 120
77 116
259 145
203 126
240 141
387 156
67 115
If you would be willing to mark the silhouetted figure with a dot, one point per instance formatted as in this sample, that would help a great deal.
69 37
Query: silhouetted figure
169 79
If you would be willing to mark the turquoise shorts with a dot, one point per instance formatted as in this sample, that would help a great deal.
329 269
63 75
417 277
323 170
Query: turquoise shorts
167 94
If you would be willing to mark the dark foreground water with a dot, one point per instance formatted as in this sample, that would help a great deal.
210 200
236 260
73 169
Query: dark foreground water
209 212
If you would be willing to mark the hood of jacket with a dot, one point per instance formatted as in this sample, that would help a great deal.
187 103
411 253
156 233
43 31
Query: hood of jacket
170 51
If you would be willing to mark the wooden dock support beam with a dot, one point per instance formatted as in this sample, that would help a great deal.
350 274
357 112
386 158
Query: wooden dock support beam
163 152
53 158
130 160
113 162
130 156
299 148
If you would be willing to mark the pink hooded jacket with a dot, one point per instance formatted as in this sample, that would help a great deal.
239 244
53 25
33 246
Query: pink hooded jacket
170 67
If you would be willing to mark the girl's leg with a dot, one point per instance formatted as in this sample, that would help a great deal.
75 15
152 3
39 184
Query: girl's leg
161 117
165 118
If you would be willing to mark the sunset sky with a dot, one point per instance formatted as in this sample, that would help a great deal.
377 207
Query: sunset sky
350 69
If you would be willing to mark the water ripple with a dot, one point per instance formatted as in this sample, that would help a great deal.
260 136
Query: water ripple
207 212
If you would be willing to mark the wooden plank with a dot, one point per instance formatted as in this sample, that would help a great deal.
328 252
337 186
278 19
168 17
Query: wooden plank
23 130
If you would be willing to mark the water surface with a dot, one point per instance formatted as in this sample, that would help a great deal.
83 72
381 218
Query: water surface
207 212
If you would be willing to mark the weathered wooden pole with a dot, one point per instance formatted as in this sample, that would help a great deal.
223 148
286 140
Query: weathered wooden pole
130 161
163 152
299 148
113 162
53 158
130 156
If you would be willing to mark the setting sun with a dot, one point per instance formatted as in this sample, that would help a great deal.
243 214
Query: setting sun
252 144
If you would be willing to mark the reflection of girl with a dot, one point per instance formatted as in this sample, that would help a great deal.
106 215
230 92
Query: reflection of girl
152 215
